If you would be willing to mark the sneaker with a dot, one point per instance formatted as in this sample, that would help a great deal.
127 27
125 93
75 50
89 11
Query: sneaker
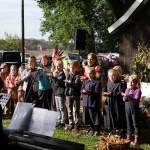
70 127
96 133
91 132
62 125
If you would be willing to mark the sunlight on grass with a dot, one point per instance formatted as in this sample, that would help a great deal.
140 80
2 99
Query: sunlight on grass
89 141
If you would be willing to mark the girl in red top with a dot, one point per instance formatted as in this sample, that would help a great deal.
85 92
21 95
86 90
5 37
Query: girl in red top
11 86
92 63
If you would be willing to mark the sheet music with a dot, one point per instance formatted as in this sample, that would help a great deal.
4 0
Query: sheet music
4 98
21 116
43 122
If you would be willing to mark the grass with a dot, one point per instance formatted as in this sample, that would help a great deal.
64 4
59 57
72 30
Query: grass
91 141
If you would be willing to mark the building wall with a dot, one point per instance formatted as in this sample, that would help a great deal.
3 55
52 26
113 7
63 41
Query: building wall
137 31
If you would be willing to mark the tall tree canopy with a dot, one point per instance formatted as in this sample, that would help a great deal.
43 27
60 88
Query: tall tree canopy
62 17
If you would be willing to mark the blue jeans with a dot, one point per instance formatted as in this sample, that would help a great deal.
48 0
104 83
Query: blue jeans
60 103
132 115
73 108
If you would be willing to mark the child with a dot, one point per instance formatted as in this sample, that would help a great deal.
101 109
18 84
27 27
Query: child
20 86
131 98
72 92
30 78
113 106
90 93
45 87
3 74
11 87
92 62
59 89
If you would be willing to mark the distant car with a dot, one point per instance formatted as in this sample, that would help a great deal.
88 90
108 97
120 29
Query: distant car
10 58
71 57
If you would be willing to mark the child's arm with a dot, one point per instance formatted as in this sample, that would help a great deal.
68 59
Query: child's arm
83 91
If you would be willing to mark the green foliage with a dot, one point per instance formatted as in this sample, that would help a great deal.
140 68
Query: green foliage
61 18
11 43
139 62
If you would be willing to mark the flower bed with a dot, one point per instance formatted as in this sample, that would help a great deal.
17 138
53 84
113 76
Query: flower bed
113 143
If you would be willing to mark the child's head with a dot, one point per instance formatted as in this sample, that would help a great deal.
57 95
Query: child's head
113 75
91 59
133 81
31 62
74 66
4 67
13 70
21 69
91 73
84 63
59 65
44 60
119 69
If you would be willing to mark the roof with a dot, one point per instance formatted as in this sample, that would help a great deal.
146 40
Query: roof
125 18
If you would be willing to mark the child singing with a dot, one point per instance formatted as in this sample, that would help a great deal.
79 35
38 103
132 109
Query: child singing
90 93
131 98
72 92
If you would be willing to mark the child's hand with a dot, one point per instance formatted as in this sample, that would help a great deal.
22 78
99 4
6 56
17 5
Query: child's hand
83 78
67 81
50 74
123 94
107 93
83 91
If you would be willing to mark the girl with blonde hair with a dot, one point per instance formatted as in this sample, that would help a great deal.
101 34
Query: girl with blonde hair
113 112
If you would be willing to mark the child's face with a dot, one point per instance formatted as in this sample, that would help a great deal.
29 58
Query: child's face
112 77
44 61
59 67
13 70
20 70
5 68
91 61
91 75
73 68
132 83
31 64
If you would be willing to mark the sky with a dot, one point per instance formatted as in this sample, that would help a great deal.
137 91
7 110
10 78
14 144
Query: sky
10 18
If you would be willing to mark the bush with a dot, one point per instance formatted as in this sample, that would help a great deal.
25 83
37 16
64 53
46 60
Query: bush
140 62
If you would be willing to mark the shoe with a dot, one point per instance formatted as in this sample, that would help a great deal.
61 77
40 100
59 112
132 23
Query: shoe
70 127
136 140
91 132
128 137
62 125
96 133
90 129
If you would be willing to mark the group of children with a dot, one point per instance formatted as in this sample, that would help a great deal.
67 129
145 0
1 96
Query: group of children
50 84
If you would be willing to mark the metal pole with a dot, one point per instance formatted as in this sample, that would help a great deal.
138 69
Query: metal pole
22 25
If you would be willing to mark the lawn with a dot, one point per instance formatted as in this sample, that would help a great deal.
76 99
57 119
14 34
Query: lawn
91 141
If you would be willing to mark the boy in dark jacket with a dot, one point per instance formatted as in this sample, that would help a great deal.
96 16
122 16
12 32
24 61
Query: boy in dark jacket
90 93
72 92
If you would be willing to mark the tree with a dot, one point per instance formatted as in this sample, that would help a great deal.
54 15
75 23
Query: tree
61 18
13 43
10 43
